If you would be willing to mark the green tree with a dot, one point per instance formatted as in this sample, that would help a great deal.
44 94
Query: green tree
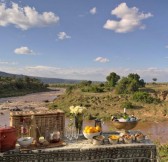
154 80
112 79
85 83
121 87
129 84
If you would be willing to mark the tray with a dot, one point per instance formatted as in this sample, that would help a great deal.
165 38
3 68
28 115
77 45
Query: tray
41 146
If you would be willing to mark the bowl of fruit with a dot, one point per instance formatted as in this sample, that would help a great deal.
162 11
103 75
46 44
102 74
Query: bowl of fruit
89 131
139 137
125 123
114 139
128 138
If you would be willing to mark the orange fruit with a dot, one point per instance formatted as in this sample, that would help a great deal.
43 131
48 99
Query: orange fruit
98 128
87 127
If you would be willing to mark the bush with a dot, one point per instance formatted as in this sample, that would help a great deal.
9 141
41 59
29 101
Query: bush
69 89
94 89
163 152
127 105
130 84
144 97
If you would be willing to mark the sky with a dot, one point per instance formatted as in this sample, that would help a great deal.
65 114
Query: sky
84 39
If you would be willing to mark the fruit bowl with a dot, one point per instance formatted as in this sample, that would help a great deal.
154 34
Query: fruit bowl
25 141
126 125
90 135
114 139
98 140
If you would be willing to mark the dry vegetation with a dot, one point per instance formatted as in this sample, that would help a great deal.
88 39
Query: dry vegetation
105 104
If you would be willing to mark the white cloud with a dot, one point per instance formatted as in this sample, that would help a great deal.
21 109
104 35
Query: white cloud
130 19
166 46
25 17
90 73
101 59
63 35
24 51
7 63
93 11
66 73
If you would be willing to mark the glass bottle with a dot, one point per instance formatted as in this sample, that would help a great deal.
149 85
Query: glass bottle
125 115
55 136
33 127
24 128
47 135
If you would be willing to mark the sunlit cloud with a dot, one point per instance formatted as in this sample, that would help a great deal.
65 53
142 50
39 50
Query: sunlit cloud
102 59
130 19
23 51
90 73
63 35
93 11
25 17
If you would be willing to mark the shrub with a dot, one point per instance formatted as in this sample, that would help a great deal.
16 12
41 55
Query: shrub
127 105
95 89
144 97
69 89
129 84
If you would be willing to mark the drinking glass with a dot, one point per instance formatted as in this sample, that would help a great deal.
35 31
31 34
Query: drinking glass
102 123
70 134
76 134
66 134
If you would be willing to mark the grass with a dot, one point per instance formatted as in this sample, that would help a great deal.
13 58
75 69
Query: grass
163 152
106 104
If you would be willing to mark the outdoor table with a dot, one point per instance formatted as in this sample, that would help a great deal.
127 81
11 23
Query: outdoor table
84 151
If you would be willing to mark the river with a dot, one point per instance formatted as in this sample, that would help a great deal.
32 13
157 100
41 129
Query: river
155 131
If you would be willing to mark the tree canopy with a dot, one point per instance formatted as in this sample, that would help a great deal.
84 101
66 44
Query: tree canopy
129 84
112 79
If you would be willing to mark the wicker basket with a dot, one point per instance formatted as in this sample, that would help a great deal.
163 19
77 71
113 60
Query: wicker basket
37 122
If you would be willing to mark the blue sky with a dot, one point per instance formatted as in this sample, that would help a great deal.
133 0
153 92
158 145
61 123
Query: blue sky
84 39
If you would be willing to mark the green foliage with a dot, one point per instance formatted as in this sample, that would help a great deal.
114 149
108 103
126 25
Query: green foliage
127 105
12 86
53 106
69 89
85 83
101 84
136 78
144 97
163 152
121 88
129 84
154 79
93 88
112 79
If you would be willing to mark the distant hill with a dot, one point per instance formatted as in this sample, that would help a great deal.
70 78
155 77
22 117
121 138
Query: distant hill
43 79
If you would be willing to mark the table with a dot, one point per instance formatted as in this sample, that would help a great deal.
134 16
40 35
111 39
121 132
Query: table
84 151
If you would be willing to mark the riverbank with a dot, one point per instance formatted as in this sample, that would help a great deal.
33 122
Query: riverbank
31 101
156 130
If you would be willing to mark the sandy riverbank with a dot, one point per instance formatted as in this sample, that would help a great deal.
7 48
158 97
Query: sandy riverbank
156 131
30 101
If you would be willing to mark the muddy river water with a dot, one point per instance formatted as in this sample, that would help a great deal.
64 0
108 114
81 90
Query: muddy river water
155 131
